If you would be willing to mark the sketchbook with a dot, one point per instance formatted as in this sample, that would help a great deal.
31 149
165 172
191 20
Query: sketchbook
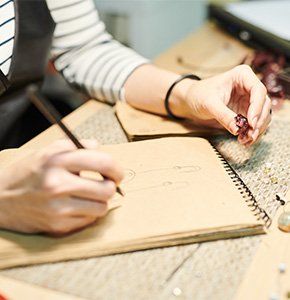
177 191
140 125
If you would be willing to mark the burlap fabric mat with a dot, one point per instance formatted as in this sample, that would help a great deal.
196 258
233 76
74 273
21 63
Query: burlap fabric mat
211 270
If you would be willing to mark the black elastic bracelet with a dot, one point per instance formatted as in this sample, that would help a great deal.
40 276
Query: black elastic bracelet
166 102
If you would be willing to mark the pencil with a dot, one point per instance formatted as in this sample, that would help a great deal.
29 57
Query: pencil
53 116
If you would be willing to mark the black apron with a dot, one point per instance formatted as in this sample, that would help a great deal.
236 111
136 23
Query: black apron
34 29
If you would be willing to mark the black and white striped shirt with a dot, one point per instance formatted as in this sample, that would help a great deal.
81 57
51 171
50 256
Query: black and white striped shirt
7 25
83 51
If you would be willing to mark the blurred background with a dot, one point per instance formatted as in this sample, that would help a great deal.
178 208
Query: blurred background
151 26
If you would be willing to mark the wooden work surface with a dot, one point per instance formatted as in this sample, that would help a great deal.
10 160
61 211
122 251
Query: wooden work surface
211 270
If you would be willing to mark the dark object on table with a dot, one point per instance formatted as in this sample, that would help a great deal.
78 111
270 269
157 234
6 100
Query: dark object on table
242 124
268 64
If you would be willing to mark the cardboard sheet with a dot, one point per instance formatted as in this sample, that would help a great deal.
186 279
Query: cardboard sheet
140 125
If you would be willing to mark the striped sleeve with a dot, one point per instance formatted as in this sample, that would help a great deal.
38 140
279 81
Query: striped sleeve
7 25
86 54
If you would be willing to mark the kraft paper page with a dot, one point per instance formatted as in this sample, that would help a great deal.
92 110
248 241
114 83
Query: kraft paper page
139 125
177 191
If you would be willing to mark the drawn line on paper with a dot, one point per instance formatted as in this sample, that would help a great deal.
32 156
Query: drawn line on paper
182 169
166 184
131 174
182 184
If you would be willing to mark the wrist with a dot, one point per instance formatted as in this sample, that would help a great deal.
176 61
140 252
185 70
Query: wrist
176 100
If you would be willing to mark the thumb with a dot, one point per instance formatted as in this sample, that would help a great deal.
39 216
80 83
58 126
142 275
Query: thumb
226 117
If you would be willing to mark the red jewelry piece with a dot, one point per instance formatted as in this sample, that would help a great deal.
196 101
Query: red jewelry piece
242 124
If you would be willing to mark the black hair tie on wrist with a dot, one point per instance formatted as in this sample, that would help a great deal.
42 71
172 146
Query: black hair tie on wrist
166 102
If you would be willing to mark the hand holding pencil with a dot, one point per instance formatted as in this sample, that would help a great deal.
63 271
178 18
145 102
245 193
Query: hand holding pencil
43 192
53 116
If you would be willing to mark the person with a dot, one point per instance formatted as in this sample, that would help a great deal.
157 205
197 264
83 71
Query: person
43 192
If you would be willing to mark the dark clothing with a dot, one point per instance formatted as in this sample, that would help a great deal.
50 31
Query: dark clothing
33 38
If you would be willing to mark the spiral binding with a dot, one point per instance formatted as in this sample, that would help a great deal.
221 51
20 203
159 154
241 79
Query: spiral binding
244 190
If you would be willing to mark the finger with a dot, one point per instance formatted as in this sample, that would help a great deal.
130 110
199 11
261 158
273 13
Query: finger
68 206
259 134
257 101
70 214
60 182
84 207
226 117
93 190
89 160
62 226
58 214
262 122
250 83
254 136
265 115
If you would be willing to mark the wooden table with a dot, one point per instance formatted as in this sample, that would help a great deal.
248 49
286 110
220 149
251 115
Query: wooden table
211 270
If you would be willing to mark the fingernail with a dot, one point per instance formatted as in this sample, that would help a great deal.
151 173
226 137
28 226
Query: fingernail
233 128
254 122
255 134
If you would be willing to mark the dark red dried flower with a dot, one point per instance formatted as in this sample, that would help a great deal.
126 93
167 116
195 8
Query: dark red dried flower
242 124
268 63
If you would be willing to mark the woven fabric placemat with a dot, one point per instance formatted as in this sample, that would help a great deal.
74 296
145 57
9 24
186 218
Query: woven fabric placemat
211 270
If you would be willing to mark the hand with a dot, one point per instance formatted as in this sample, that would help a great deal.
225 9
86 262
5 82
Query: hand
44 192
217 100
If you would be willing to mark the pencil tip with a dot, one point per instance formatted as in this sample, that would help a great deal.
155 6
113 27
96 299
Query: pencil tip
120 191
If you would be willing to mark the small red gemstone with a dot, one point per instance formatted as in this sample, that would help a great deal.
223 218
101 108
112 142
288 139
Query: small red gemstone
242 124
